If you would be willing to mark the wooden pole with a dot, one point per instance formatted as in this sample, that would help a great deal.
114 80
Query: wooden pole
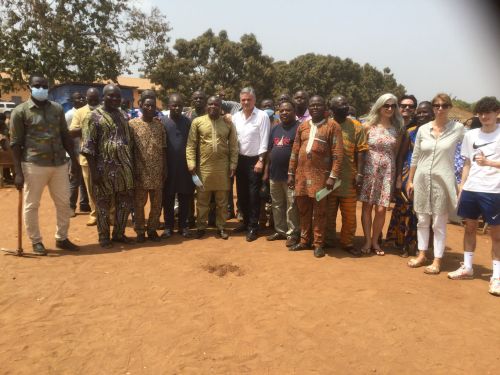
19 250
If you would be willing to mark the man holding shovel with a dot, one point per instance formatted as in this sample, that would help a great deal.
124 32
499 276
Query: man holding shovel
39 142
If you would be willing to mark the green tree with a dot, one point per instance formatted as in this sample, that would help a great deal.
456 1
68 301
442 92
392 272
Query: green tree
462 104
77 40
211 61
330 75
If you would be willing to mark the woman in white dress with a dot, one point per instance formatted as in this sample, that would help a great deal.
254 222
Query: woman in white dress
432 180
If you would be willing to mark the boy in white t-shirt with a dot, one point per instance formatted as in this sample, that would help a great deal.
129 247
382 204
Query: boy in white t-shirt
480 189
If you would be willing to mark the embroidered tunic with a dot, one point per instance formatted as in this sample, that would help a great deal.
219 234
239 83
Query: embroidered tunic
312 169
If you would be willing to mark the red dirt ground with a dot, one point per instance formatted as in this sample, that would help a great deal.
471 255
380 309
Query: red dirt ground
228 307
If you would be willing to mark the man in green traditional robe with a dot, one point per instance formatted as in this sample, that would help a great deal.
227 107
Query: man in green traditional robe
212 154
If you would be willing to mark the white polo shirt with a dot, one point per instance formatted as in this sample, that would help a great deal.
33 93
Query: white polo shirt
253 132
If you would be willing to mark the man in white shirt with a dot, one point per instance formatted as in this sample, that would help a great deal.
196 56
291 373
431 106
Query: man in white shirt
76 183
480 189
252 128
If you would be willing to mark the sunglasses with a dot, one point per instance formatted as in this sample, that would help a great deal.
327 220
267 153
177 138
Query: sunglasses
390 106
407 106
443 106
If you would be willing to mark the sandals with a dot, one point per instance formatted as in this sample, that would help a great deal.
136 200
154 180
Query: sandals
378 251
415 263
366 250
432 270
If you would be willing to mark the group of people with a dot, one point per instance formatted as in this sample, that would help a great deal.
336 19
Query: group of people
311 155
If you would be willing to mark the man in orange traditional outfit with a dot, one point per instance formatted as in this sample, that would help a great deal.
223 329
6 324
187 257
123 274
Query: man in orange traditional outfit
314 164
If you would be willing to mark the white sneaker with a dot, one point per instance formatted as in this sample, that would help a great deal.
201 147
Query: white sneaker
462 273
495 287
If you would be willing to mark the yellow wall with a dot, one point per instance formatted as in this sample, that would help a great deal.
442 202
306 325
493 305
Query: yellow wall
21 91
138 84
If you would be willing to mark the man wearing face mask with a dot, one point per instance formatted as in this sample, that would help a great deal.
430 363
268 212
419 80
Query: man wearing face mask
75 130
40 141
345 197
267 105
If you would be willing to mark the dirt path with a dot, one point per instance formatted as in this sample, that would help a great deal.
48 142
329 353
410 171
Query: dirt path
229 307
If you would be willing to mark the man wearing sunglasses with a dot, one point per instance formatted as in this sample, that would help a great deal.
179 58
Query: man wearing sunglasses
407 107
40 141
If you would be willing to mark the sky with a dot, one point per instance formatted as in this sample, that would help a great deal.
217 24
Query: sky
431 46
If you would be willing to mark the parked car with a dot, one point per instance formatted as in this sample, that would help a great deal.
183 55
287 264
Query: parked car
7 107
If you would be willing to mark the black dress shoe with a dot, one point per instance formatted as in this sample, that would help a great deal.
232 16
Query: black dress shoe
167 233
251 235
106 244
240 228
276 236
319 252
39 249
353 251
184 232
67 245
141 238
153 236
222 234
291 241
85 208
122 239
299 247
200 233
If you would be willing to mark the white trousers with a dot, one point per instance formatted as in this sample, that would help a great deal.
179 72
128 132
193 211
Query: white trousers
438 226
35 180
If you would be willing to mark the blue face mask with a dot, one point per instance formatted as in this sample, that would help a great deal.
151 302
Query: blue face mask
269 112
40 94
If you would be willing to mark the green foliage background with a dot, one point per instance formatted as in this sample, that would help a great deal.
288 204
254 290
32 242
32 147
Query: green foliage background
93 40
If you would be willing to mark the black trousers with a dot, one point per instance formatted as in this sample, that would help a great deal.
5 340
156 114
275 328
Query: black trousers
230 199
248 185
76 186
168 209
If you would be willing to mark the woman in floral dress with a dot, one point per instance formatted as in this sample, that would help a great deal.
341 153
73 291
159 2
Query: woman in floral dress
403 225
384 130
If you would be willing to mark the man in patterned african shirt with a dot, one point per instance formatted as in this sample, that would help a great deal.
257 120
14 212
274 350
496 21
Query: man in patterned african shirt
314 164
354 141
150 164
107 144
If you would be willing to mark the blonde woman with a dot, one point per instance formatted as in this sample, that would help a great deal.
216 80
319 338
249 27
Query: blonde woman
432 180
384 130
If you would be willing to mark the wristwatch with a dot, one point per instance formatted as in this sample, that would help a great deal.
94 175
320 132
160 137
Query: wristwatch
261 158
